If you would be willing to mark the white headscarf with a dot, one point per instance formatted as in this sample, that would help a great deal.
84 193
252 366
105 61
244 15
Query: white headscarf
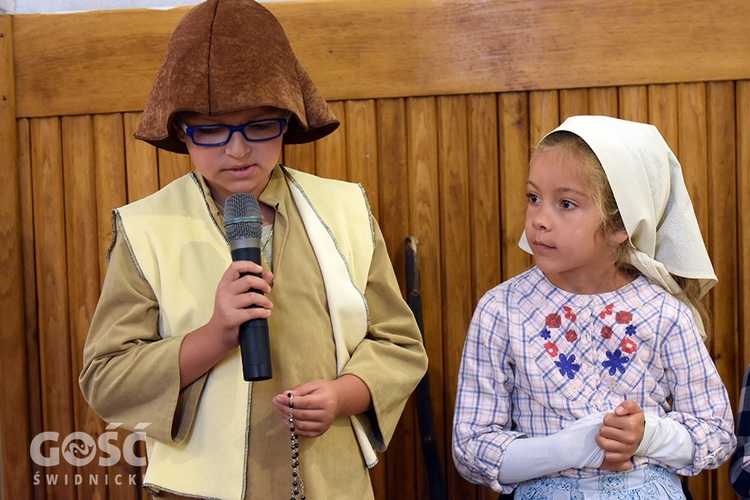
646 180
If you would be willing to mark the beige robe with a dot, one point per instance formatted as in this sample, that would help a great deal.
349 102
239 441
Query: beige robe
131 375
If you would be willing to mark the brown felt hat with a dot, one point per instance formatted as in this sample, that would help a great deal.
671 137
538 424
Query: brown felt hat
226 56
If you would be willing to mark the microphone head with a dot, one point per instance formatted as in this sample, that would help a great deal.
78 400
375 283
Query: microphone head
242 217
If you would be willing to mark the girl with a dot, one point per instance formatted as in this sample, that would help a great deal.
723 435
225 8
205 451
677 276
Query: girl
163 347
587 376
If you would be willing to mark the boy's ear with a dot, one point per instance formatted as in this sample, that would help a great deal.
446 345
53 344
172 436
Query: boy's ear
181 135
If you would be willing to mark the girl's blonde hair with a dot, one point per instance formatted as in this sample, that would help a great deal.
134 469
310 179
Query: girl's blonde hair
604 199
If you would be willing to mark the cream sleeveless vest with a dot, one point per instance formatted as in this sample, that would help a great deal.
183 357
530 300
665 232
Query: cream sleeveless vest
180 250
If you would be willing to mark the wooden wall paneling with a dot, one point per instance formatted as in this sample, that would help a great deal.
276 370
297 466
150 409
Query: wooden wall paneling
634 103
692 153
743 219
300 157
662 112
93 68
542 116
356 50
455 218
172 166
516 110
16 473
692 117
111 184
393 186
604 101
361 132
484 192
424 217
330 152
79 195
573 102
52 294
722 244
393 190
141 161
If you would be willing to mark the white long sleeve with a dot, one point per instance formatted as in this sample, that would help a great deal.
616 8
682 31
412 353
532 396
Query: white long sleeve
572 447
667 441
664 440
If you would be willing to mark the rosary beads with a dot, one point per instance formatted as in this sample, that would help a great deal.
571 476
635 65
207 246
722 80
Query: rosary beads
298 487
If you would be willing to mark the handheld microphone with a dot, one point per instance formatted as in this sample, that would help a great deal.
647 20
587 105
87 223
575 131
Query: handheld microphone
243 224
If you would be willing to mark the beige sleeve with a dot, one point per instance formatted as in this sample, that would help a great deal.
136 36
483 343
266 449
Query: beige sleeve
391 359
130 374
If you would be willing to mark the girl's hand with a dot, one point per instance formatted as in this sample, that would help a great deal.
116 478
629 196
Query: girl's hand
623 466
620 435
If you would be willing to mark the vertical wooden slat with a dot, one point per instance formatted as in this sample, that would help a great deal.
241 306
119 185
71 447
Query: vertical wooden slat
634 103
172 166
604 101
360 130
424 210
484 188
514 127
455 217
722 243
573 102
692 153
16 473
83 271
300 157
393 179
111 192
111 186
542 116
393 188
330 152
743 218
693 149
52 296
142 168
31 321
662 112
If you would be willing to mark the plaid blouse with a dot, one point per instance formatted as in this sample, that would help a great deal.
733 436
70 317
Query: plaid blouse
739 466
537 358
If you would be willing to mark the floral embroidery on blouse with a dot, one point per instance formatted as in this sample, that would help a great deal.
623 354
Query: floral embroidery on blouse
569 314
567 365
553 320
551 348
616 361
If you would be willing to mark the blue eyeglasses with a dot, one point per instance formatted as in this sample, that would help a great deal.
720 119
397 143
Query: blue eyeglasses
221 134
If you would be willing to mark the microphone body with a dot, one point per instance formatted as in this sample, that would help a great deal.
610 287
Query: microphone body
243 223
